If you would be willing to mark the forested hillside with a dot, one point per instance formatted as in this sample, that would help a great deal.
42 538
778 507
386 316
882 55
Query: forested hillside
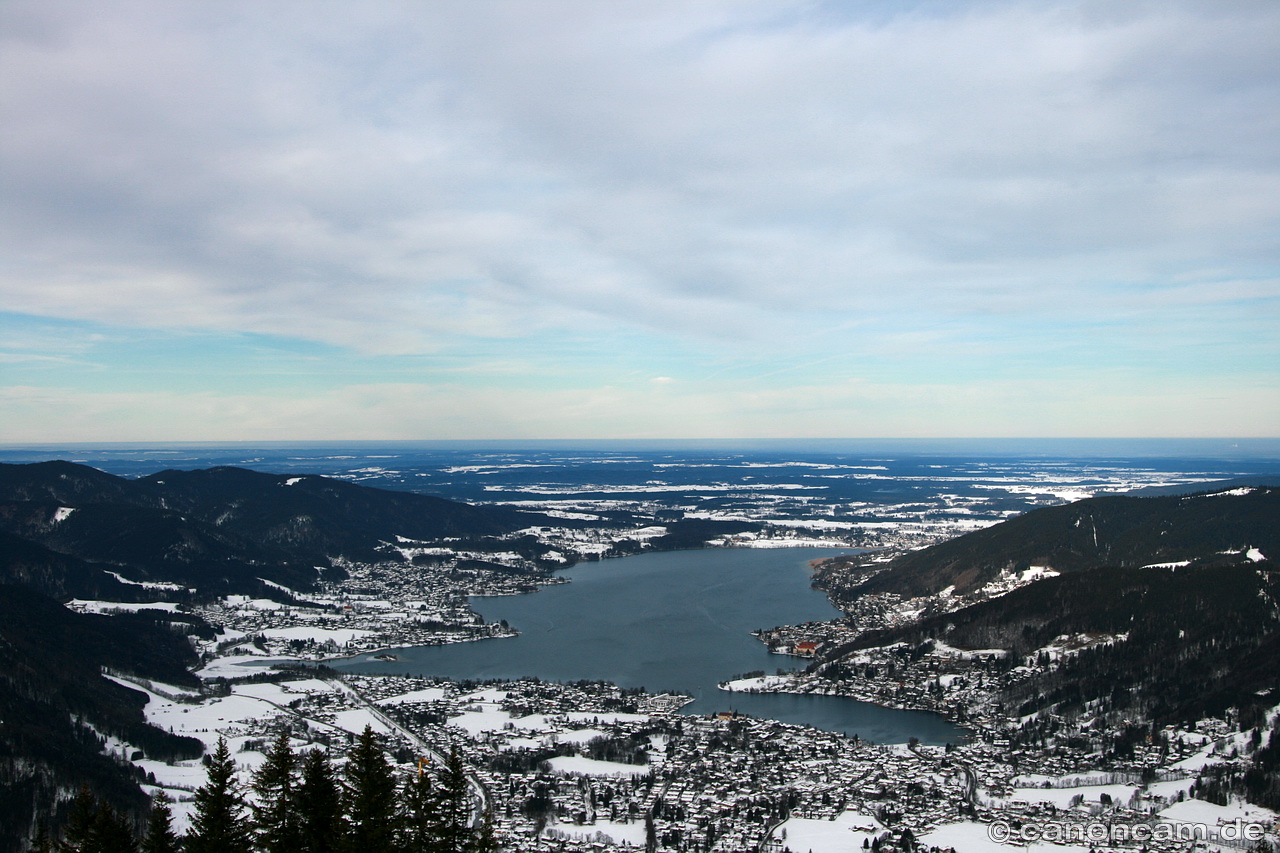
1166 611
59 709
1209 528
297 803
1184 643
218 529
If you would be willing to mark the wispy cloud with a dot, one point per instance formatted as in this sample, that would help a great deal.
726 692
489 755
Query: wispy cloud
779 183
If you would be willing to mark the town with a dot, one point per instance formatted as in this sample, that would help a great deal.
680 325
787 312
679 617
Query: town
589 766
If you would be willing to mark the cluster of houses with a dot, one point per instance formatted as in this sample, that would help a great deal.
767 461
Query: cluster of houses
547 757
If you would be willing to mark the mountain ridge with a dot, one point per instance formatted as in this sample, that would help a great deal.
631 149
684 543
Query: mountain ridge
1116 530
1101 654
220 529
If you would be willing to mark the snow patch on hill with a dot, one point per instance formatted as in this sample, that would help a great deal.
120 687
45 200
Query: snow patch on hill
172 587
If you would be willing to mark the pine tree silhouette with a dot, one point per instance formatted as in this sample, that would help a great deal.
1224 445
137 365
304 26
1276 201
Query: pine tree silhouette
369 797
453 822
275 808
421 801
218 825
438 813
95 827
160 837
112 833
321 827
79 830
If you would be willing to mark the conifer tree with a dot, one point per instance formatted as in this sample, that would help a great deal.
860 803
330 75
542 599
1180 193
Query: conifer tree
369 797
111 833
218 825
275 814
160 837
483 839
95 827
418 827
79 830
438 813
42 843
321 827
453 809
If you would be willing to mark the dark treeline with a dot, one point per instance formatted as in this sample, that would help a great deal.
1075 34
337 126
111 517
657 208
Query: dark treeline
296 803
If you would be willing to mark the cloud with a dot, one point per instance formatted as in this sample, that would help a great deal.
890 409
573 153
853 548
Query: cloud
404 177
489 219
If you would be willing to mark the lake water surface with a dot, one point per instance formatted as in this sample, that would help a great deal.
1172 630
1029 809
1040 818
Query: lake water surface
675 621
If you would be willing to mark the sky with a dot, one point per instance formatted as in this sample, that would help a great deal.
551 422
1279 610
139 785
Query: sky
252 220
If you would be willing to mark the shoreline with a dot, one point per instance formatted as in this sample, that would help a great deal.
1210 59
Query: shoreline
552 581
970 728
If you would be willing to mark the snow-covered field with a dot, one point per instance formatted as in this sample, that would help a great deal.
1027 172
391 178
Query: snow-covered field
92 606
847 832
759 683
972 837
611 832
578 765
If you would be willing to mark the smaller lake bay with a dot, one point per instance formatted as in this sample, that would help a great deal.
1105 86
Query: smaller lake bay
676 621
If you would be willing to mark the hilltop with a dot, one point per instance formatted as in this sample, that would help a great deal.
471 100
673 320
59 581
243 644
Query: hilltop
1207 528
220 529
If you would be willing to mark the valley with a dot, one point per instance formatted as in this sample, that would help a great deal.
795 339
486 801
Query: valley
591 763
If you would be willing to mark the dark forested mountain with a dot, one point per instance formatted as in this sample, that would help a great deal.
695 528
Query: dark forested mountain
57 707
1183 642
70 531
320 516
1205 529
213 529
1166 611
61 576
63 483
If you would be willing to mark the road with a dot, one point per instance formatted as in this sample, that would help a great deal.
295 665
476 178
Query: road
478 790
